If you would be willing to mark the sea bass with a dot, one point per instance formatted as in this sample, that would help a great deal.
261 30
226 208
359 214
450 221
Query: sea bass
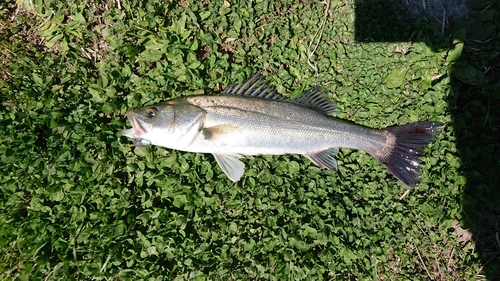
252 118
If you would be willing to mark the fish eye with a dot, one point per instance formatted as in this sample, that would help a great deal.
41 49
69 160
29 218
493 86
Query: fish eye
151 112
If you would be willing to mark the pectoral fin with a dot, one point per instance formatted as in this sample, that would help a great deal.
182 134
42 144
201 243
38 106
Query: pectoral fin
215 132
324 158
231 165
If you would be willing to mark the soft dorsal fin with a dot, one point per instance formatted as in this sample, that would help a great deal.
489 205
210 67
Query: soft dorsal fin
254 86
315 99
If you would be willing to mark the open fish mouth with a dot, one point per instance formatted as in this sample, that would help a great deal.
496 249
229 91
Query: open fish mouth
139 127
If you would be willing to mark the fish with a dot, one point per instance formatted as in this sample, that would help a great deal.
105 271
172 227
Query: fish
251 118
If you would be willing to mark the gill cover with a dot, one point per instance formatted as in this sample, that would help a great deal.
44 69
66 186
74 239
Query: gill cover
187 122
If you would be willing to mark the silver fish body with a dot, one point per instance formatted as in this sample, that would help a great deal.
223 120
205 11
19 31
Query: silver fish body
250 118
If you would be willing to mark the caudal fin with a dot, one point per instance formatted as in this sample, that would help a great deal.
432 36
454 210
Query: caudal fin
404 147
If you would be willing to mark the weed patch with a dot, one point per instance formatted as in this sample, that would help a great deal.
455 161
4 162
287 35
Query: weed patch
78 202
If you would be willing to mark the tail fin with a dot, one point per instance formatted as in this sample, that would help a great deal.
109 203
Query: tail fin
404 146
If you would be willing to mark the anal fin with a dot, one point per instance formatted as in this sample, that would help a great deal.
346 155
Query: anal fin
324 159
231 165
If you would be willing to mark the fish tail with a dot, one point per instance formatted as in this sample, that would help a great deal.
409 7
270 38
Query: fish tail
404 146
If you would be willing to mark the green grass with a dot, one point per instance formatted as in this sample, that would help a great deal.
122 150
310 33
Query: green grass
77 202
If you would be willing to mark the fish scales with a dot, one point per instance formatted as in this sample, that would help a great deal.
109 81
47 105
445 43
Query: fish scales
278 127
251 118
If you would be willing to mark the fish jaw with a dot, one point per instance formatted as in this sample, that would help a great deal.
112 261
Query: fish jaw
128 133
139 127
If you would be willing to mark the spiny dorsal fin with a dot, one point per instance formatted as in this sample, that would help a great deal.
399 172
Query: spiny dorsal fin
317 100
254 86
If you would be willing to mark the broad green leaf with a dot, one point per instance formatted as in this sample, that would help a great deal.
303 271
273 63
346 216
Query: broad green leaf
396 77
38 80
152 251
57 196
459 35
156 44
194 45
151 55
485 32
63 47
96 92
205 14
53 40
179 200
469 75
28 5
107 108
426 81
293 167
142 151
78 17
126 71
479 4
58 18
455 53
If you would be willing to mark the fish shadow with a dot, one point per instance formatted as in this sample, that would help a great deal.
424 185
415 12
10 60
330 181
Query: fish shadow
474 108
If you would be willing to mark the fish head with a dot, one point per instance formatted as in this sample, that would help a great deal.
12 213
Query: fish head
170 124
150 123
